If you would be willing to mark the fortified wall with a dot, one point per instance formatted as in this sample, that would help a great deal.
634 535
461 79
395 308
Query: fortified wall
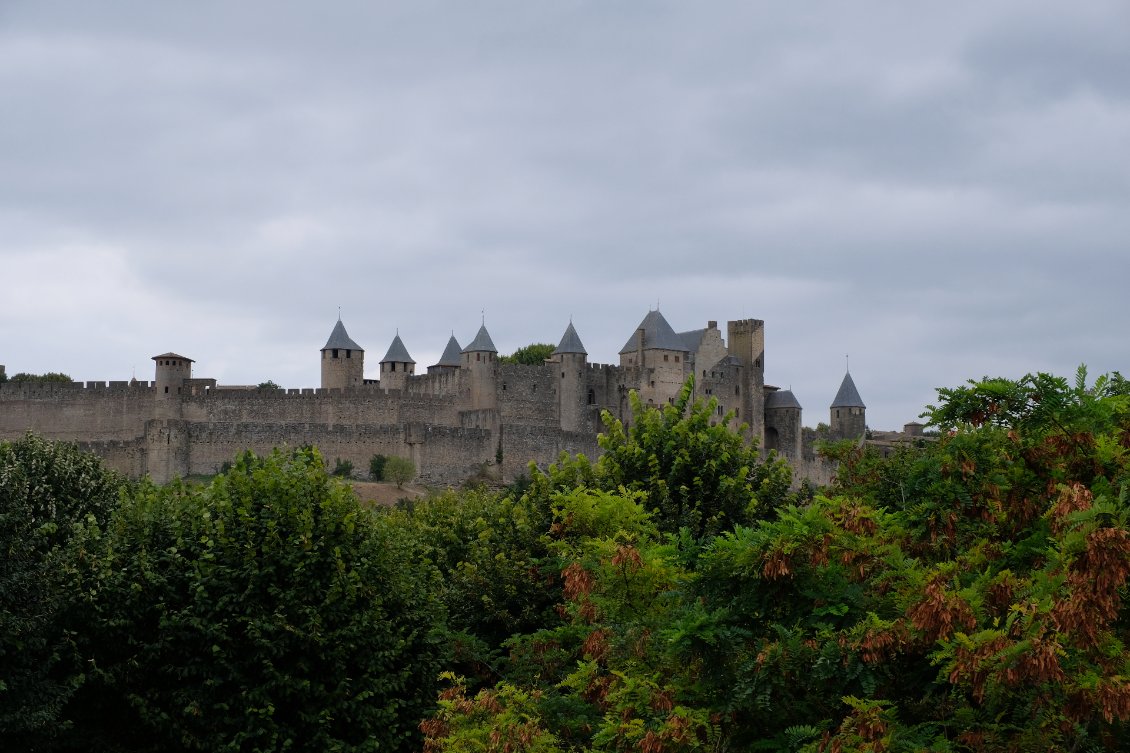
468 414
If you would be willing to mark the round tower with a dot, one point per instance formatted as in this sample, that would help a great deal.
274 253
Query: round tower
171 372
848 418
571 360
396 366
480 359
782 422
343 361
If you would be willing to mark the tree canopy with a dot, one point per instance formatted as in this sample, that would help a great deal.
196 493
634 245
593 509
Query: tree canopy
530 355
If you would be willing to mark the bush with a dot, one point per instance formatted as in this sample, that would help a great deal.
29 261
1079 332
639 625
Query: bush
343 468
377 467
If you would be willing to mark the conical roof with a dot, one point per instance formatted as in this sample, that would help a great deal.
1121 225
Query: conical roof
848 396
482 342
339 338
782 399
397 352
451 353
657 335
571 342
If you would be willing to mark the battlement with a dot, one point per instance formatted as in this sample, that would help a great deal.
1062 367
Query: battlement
39 390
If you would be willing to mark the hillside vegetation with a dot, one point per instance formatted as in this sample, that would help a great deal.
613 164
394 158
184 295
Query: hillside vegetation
679 594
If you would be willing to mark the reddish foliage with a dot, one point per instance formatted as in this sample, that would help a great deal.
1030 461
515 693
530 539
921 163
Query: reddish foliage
628 557
596 645
939 614
578 581
776 565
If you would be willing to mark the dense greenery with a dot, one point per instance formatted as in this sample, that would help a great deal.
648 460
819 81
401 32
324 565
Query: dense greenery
399 470
533 354
963 594
48 378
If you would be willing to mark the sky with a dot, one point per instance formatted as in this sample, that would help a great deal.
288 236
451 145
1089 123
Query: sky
939 191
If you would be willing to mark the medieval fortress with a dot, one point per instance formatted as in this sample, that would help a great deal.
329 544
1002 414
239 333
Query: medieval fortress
468 414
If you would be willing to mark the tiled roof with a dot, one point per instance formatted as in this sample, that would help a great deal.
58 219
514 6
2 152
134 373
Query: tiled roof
848 396
571 342
482 342
172 356
339 338
451 353
781 399
657 335
397 352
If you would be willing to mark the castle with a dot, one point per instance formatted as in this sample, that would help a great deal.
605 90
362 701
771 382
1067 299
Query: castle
470 412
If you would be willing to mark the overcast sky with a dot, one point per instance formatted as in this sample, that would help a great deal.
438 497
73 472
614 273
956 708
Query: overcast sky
940 190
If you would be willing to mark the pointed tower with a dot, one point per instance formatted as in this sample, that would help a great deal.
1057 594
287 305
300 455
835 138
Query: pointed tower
343 360
450 360
571 358
782 423
660 357
396 366
480 359
848 414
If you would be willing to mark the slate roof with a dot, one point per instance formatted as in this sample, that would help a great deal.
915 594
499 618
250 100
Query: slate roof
692 339
397 352
782 399
451 353
848 396
482 342
571 342
172 356
339 338
657 335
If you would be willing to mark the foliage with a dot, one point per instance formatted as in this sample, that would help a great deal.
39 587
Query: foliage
399 469
269 385
343 468
533 354
377 467
695 474
46 490
51 377
266 611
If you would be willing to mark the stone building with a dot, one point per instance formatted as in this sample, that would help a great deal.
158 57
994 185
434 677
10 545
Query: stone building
468 414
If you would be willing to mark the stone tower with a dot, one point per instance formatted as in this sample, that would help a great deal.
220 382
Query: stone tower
571 359
166 434
783 423
746 342
343 361
396 366
660 356
848 413
480 359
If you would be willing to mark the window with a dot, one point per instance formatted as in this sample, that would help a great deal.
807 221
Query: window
676 359
592 398
562 374
737 389
392 366
166 389
348 353
664 356
478 356
335 352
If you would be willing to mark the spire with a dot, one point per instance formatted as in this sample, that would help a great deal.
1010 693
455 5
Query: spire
339 338
482 342
570 342
397 352
848 396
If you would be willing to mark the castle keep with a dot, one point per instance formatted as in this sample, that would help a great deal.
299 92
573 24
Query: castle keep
468 412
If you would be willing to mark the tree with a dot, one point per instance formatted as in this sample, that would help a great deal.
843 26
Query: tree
269 385
47 489
266 611
377 467
50 377
398 469
533 354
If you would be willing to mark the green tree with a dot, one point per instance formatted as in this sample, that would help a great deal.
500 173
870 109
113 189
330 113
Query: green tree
533 354
269 385
377 467
50 377
399 469
695 473
266 611
46 490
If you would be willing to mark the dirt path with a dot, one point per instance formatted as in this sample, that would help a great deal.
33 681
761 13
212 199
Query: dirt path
385 493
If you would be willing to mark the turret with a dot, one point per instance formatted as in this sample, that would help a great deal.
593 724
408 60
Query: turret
480 359
396 366
848 413
782 422
171 372
343 360
571 359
